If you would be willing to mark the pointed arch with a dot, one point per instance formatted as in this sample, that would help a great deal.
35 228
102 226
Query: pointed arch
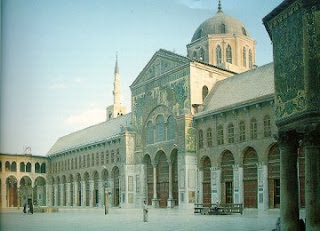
218 55
229 54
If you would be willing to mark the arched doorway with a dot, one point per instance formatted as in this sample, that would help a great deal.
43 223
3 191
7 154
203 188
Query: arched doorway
78 192
206 182
227 177
105 182
95 189
64 191
175 189
274 177
250 178
12 191
39 191
71 189
26 190
149 178
87 188
116 186
162 179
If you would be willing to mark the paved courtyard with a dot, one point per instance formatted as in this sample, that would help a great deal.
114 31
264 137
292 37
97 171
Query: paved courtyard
131 219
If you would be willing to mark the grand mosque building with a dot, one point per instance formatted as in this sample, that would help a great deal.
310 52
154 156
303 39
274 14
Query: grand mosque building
202 130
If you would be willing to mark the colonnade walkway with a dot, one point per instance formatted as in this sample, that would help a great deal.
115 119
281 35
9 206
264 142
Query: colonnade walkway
131 219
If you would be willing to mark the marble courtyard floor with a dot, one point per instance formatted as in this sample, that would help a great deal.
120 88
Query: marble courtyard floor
131 219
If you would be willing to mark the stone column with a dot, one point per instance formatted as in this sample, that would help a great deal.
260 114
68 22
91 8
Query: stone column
61 195
91 188
83 193
215 185
200 187
48 195
55 194
262 186
68 199
75 193
311 148
236 196
155 200
241 186
171 201
289 204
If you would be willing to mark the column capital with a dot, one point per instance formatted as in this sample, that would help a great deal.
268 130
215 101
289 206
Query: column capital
154 163
288 138
311 136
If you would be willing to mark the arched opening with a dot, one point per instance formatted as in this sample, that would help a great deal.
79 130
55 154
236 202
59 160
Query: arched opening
205 92
87 188
244 57
250 182
26 190
105 181
149 178
39 191
274 177
163 179
14 167
229 54
160 129
206 181
37 168
7 167
22 167
227 177
71 190
218 55
95 189
78 192
43 168
116 186
28 167
12 191
64 191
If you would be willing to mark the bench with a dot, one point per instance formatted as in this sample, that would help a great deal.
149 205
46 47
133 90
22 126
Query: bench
200 209
223 209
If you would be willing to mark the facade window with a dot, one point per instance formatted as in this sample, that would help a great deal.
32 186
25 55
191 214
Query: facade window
97 159
43 168
242 131
28 168
200 139
250 59
22 167
112 156
194 55
150 133
218 55
118 155
13 166
220 137
171 128
107 157
229 54
231 134
68 164
7 167
77 162
83 161
201 56
92 159
37 168
267 126
253 129
88 161
205 92
244 57
72 164
160 129
102 158
209 137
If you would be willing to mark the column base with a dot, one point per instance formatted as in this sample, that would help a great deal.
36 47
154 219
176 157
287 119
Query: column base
156 203
171 203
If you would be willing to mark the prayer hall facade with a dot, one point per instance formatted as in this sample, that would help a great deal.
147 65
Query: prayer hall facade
202 130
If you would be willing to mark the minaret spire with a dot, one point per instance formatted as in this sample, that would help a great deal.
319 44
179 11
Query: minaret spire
116 68
219 6
116 84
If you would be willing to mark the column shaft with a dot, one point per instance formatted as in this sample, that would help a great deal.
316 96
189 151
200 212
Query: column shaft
170 181
154 182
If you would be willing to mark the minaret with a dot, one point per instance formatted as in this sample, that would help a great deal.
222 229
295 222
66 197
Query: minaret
219 6
116 109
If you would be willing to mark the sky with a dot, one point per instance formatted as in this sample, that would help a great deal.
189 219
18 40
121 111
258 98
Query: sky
58 57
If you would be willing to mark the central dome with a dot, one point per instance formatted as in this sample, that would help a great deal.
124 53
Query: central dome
220 24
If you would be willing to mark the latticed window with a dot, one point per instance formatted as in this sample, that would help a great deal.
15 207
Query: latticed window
231 133
171 128
88 161
209 137
267 126
112 156
218 55
107 157
160 129
92 160
242 131
244 57
250 59
97 158
150 133
220 138
118 155
253 129
229 54
102 158
200 139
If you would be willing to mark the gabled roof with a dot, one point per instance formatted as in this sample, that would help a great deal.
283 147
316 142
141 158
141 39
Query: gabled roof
91 135
179 60
240 89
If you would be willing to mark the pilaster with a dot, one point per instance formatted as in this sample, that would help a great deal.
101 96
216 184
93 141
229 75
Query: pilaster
68 202
215 185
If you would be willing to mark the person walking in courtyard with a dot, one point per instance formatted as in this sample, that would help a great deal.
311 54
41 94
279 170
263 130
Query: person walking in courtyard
145 212
24 207
31 208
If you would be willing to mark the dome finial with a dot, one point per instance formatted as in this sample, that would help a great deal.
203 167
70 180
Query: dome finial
219 6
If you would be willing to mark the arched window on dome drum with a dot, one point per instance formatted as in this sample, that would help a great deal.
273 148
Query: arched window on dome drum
160 129
201 55
22 167
171 128
244 57
199 33
244 32
229 54
250 59
205 92
222 29
218 55
150 134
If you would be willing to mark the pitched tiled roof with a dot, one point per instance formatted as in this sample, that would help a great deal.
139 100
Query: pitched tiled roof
240 89
94 134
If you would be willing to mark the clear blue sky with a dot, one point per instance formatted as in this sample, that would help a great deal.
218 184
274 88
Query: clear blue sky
58 57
